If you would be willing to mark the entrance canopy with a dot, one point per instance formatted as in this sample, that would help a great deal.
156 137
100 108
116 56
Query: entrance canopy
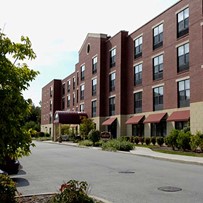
69 117
135 119
179 116
109 121
155 118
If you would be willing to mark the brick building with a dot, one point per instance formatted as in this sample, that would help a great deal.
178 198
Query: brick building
143 83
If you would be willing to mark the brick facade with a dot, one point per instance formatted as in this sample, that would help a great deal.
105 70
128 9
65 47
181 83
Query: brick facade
101 45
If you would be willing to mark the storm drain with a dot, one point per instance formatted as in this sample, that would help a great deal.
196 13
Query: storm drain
169 189
127 172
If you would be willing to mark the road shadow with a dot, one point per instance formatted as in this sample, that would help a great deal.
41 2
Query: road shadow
21 182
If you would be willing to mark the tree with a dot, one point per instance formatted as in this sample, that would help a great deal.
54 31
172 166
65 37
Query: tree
15 75
86 126
32 121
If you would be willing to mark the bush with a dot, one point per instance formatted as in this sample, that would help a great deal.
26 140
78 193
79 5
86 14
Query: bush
114 145
136 140
87 143
126 146
94 136
147 140
7 189
160 140
141 139
171 139
183 140
153 140
72 192
196 141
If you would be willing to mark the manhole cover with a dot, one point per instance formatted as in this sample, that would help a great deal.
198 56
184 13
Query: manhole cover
126 172
169 189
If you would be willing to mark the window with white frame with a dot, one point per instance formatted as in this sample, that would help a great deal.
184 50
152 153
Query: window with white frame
138 47
183 22
158 67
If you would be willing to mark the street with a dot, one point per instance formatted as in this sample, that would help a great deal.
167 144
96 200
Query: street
114 176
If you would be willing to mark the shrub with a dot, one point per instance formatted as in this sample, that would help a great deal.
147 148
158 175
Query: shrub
183 140
136 140
171 139
147 140
116 144
196 141
160 140
126 146
94 136
153 140
141 139
72 192
7 189
86 143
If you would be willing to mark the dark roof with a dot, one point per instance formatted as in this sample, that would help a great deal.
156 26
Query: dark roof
69 117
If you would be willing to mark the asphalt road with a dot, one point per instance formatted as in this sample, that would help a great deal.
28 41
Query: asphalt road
114 176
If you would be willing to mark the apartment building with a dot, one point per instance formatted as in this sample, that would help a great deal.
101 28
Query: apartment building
144 83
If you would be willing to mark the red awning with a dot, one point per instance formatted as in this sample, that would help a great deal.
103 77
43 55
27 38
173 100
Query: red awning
179 116
69 117
109 121
154 118
134 119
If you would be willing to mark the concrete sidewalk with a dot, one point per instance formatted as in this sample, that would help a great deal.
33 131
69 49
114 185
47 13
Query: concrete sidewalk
143 151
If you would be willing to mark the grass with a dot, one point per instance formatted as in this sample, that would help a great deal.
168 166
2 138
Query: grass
168 150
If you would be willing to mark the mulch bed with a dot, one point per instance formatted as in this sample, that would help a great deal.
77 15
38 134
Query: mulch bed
42 198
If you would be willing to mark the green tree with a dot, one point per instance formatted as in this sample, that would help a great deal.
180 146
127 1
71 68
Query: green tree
32 121
15 75
86 126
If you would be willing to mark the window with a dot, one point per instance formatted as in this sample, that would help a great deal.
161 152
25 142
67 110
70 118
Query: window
138 74
183 23
179 125
94 65
50 118
50 105
138 47
112 78
82 107
68 86
94 108
51 91
183 57
73 99
158 129
138 102
73 83
112 104
63 103
77 78
138 130
82 89
158 98
158 67
68 101
158 36
82 71
184 93
112 57
77 96
63 89
94 87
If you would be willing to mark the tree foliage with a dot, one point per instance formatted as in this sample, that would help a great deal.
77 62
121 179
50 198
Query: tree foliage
15 75
86 126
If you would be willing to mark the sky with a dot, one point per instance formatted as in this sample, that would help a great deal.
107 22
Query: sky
58 28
